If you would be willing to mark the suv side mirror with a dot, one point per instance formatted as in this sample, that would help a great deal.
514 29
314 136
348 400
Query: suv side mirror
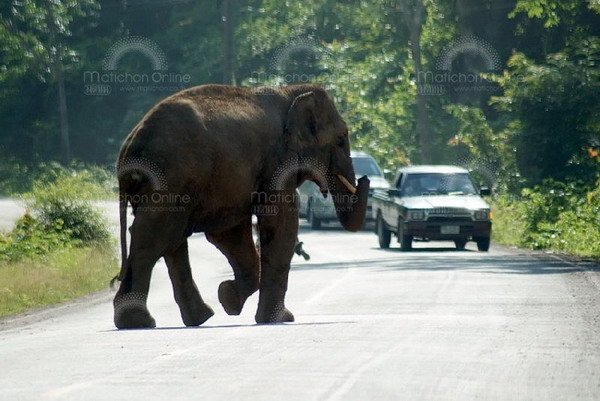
394 192
485 191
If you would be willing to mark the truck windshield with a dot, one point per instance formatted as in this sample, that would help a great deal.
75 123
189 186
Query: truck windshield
430 184
365 166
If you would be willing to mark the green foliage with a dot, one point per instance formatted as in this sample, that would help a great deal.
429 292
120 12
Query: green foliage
387 132
555 215
61 216
370 71
17 177
508 227
26 35
30 238
60 250
557 105
578 231
474 131
548 10
541 208
67 199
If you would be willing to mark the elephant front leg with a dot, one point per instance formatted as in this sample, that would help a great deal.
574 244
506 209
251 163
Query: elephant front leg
277 242
194 311
239 248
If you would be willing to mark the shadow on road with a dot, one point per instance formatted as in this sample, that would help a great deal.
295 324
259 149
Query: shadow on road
467 261
228 326
429 249
332 227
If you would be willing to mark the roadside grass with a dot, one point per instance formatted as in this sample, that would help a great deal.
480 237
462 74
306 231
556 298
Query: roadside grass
553 216
508 226
61 276
61 248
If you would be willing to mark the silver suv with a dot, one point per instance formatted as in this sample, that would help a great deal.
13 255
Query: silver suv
317 209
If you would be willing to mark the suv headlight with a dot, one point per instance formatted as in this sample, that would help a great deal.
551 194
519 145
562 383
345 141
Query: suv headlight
481 215
416 215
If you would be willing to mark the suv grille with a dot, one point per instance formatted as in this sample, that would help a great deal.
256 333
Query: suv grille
449 211
451 219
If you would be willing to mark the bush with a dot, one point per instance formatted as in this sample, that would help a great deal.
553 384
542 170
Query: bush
509 228
30 238
67 201
62 216
542 207
59 251
578 230
557 216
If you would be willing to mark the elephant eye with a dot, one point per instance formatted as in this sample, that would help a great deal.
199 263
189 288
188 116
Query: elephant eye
341 141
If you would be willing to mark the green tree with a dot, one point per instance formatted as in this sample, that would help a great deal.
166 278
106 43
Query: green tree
33 36
556 104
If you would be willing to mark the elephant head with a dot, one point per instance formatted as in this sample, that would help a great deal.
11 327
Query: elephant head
316 132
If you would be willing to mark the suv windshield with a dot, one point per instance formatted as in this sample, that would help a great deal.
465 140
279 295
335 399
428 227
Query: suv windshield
438 184
365 166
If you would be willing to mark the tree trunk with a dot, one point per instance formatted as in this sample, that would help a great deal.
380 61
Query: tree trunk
423 129
57 71
414 17
227 19
63 113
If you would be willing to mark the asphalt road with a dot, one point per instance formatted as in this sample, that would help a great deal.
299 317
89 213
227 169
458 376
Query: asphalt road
432 324
10 210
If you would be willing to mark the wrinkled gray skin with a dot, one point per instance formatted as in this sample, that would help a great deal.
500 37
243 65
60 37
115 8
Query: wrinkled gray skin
207 158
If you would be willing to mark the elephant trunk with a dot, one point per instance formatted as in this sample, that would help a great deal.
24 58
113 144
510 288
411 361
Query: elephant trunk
350 203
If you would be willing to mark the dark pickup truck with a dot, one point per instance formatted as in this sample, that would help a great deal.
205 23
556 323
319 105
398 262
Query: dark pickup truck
432 203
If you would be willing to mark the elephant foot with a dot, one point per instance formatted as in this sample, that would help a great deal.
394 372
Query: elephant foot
229 297
197 315
131 312
279 314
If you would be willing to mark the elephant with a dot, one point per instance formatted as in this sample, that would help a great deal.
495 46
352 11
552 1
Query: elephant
207 159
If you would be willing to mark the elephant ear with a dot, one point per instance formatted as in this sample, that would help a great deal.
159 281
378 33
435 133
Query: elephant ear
302 122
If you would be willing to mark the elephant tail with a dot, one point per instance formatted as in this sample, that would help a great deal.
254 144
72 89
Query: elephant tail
123 224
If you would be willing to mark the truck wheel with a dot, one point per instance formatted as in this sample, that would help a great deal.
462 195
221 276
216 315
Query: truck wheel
483 244
405 240
460 243
315 222
383 234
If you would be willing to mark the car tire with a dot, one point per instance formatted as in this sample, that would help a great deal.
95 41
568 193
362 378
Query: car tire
405 240
383 234
460 243
483 244
314 221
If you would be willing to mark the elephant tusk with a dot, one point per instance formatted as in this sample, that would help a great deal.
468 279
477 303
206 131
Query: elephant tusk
347 184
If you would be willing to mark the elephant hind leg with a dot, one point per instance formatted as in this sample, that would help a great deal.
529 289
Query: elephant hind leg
130 301
151 235
239 248
277 243
194 311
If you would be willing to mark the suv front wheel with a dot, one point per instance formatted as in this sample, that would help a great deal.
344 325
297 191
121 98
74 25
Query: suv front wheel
405 240
383 234
483 243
